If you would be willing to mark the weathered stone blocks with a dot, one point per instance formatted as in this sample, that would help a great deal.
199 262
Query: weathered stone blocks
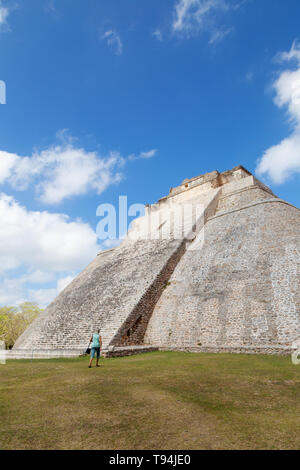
230 283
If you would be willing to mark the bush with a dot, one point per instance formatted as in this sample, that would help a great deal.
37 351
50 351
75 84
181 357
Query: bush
15 320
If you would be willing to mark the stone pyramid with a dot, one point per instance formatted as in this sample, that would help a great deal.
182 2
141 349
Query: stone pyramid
213 266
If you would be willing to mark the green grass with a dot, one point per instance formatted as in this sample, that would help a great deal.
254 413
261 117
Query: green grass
161 400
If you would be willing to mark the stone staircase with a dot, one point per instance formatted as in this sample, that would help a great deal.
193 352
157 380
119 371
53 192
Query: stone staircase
118 291
234 288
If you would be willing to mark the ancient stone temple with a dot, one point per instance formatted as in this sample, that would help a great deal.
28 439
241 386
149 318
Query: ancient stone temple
213 266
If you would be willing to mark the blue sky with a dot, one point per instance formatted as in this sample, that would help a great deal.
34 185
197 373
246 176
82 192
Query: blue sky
130 97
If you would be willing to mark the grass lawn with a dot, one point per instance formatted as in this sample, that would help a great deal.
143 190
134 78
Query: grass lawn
160 400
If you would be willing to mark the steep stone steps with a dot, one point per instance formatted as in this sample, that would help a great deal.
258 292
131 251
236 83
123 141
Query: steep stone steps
117 289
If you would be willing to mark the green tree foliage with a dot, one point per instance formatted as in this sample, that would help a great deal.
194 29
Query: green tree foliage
15 320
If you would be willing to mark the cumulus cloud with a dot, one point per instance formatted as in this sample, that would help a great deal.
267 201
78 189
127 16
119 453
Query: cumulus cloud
44 247
11 292
42 240
64 171
44 297
15 291
38 277
282 160
113 41
197 16
41 252
63 283
61 172
7 163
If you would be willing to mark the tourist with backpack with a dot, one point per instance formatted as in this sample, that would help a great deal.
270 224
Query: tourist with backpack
96 346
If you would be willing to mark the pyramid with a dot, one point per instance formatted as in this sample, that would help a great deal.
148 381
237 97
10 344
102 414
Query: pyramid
214 266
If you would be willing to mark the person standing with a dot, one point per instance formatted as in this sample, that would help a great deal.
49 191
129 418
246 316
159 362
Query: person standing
96 348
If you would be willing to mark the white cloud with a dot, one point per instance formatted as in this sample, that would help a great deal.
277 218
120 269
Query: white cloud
4 13
293 54
7 163
64 171
143 155
109 244
281 161
14 291
190 14
11 292
38 277
149 154
197 16
219 35
41 240
113 41
41 252
45 248
44 297
61 172
63 283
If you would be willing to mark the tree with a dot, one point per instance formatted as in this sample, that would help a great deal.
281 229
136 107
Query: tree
15 320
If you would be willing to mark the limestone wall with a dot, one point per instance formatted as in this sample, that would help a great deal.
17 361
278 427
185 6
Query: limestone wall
213 266
241 197
241 290
120 286
102 296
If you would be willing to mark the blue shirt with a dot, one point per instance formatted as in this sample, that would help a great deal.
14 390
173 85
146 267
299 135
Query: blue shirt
96 341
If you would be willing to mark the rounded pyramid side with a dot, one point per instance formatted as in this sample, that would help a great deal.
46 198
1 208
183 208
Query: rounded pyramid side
241 290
